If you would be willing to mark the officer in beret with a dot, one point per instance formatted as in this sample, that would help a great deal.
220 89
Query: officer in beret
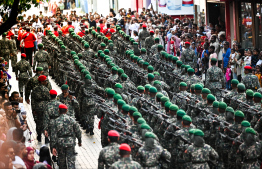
188 56
240 96
143 35
110 153
149 41
43 60
250 81
154 47
125 159
38 105
6 48
233 92
65 130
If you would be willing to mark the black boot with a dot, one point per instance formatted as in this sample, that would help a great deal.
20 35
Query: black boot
46 140
54 158
39 138
87 129
91 131
21 94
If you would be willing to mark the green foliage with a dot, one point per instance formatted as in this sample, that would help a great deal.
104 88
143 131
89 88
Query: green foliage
7 5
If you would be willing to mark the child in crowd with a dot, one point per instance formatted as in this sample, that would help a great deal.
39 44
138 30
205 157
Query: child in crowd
228 77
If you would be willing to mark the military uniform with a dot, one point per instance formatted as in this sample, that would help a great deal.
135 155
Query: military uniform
108 155
149 42
6 48
142 37
14 54
25 73
188 57
65 130
126 163
215 79
251 82
72 105
43 60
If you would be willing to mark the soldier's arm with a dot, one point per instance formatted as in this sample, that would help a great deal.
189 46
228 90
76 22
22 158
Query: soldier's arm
11 47
29 70
54 135
46 119
166 155
223 79
213 154
77 132
16 70
28 89
208 78
101 162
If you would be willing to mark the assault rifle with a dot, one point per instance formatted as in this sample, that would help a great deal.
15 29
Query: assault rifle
130 139
178 136
129 133
229 138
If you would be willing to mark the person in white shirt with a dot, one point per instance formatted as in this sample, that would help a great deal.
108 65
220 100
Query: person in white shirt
20 153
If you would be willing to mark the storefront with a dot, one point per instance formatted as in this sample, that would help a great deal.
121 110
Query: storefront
241 20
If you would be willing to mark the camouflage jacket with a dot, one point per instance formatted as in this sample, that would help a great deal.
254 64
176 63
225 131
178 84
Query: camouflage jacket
189 56
6 46
51 112
199 156
149 42
143 35
108 156
215 78
126 163
42 58
65 130
32 83
72 105
24 69
40 96
150 158
251 82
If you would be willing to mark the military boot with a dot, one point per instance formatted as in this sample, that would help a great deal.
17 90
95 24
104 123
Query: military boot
87 129
91 131
21 94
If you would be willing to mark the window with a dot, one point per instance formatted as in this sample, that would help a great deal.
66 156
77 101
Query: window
246 25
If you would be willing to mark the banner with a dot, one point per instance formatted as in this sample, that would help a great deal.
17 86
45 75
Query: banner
176 7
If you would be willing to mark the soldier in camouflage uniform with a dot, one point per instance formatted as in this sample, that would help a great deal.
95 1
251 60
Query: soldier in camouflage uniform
250 81
142 36
51 112
6 48
33 82
42 59
182 100
232 93
110 153
188 56
241 96
40 96
69 100
257 105
200 153
191 78
125 160
154 47
113 77
25 73
149 41
65 130
215 79
14 54
150 154
249 152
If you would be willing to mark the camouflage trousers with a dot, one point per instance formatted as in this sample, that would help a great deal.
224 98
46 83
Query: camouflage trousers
88 117
39 122
216 93
13 61
22 83
66 157
142 43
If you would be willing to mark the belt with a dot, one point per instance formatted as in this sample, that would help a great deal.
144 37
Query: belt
250 160
198 162
65 136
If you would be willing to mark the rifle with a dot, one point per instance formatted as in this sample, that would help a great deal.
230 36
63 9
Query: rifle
130 139
122 124
178 136
229 138
120 129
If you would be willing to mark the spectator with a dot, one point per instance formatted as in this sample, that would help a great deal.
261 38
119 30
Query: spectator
254 58
29 158
228 77
45 157
226 55
20 153
212 54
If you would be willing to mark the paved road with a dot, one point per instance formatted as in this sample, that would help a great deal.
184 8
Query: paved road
91 145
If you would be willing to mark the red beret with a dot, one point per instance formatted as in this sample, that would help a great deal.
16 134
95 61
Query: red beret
23 55
53 92
125 147
113 133
144 25
41 78
62 106
187 43
248 67
152 32
172 42
112 30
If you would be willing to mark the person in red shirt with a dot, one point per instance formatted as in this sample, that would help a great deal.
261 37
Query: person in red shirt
19 38
68 27
82 32
55 31
29 39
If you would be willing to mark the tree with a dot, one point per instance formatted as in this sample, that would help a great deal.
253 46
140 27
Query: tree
15 7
